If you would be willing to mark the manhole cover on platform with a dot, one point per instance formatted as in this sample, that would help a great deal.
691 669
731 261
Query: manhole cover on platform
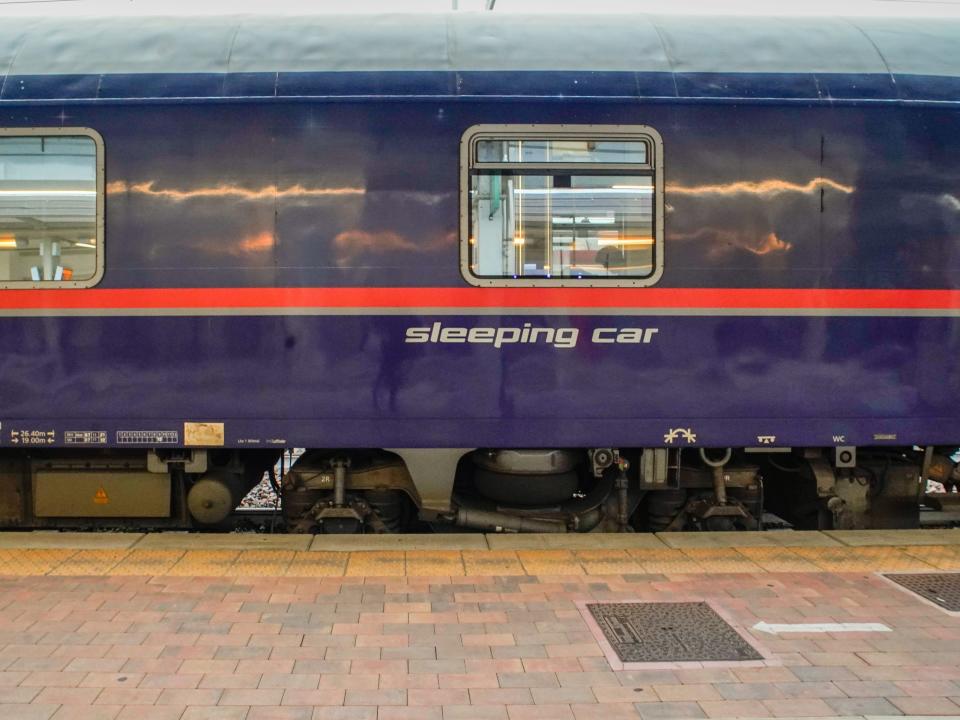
670 632
942 589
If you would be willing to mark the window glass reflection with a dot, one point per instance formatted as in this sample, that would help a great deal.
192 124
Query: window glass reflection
561 226
48 208
562 151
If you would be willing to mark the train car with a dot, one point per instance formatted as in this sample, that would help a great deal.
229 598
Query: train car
504 273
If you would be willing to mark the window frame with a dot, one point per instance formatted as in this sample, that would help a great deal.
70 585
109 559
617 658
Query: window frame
100 206
468 144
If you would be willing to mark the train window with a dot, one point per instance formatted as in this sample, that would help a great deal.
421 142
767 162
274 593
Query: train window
51 207
561 205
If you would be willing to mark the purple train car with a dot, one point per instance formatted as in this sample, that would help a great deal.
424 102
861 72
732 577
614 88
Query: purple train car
506 273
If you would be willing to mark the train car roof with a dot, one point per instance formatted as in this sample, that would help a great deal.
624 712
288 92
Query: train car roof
466 42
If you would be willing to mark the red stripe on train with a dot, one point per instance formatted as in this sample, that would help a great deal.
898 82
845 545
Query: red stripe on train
466 298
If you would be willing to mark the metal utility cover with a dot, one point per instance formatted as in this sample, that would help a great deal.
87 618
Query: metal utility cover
670 632
941 589
100 494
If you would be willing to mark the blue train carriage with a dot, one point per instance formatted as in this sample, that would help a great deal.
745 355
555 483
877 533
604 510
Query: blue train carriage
504 273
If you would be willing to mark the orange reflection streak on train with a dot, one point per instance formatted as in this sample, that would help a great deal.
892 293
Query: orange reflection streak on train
230 192
761 187
724 241
352 243
260 242
769 244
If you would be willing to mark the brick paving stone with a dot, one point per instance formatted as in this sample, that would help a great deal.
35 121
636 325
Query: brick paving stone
474 712
925 705
487 665
799 707
375 697
734 709
539 712
223 682
441 667
170 680
749 691
826 673
421 681
620 711
765 674
410 713
349 682
704 675
250 697
927 688
591 679
570 696
102 680
313 697
862 706
215 713
345 713
156 712
500 696
608 694
27 712
52 664
430 697
280 713
90 712
67 696
528 679
647 677
189 697
693 692
95 664
468 680
128 696
42 679
808 690
553 665
19 694
670 711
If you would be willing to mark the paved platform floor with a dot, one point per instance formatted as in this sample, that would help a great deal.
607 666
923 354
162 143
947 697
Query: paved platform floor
133 633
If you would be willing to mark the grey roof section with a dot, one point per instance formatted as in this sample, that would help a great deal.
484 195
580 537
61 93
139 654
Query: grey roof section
482 41
919 47
768 44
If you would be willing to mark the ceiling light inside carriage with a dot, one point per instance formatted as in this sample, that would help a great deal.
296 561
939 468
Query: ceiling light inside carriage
614 190
32 193
585 219
631 241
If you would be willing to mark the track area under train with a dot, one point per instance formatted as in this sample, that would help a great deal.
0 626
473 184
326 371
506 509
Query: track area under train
490 490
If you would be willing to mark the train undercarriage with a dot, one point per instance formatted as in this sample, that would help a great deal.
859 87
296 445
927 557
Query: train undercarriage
477 490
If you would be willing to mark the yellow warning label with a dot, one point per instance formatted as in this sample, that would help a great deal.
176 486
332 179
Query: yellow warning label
100 497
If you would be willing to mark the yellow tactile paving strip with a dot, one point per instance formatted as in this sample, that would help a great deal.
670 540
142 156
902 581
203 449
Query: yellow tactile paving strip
318 564
942 557
492 562
32 562
147 562
633 558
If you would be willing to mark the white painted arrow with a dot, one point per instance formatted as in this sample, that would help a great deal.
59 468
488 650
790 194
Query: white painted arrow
775 629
